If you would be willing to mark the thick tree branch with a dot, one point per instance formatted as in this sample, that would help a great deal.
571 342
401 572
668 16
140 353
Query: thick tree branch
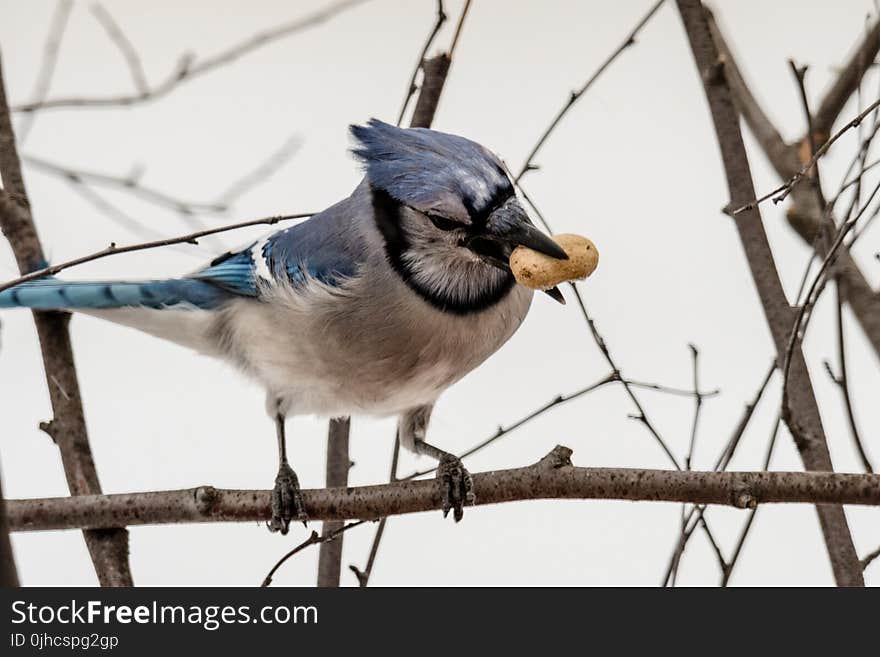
434 73
846 83
108 547
781 155
801 412
8 572
338 464
807 215
435 70
553 477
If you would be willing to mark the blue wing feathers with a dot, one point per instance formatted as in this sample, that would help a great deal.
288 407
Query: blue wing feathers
234 272
297 254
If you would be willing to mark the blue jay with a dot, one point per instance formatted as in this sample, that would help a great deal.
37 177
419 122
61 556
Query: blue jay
376 305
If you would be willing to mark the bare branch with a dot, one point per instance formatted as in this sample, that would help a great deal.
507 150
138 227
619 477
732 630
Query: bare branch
8 572
128 183
698 405
553 477
131 182
129 54
783 156
780 193
328 538
412 88
688 524
187 69
363 576
276 159
847 82
108 548
843 384
57 28
807 216
338 465
434 75
641 415
747 526
803 418
628 41
870 558
805 311
113 249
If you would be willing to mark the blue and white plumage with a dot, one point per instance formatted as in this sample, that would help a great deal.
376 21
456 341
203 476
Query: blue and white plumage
376 305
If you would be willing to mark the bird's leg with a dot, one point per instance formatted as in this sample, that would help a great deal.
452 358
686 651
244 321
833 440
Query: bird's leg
455 481
287 502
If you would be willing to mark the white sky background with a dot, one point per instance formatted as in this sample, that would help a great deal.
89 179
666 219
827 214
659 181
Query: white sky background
634 166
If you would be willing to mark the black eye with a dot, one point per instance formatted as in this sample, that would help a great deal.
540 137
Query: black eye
443 223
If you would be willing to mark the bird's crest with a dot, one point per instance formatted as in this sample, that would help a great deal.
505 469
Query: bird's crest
431 170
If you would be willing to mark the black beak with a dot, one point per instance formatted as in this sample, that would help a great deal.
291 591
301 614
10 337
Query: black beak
555 294
524 234
508 228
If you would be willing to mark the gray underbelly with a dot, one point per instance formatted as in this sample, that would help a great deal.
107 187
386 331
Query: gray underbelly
337 361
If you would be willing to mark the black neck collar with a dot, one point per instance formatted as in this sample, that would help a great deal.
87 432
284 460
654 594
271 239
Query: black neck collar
388 213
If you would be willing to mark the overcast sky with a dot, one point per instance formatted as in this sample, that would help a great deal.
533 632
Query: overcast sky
634 167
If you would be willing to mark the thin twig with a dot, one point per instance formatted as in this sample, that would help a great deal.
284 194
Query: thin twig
187 68
641 415
363 576
781 193
458 26
57 27
803 419
870 558
698 404
129 54
313 539
847 80
128 183
842 383
259 174
137 227
805 311
113 249
576 95
412 88
688 524
728 572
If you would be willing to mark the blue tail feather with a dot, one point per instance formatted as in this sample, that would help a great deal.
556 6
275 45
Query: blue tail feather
53 294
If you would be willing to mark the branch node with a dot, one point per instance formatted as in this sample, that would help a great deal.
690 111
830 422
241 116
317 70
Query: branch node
744 500
206 498
559 457
714 75
49 429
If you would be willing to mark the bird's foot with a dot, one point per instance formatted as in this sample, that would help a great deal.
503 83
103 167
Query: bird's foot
457 485
287 501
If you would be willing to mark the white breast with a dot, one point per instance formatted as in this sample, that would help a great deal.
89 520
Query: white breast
329 352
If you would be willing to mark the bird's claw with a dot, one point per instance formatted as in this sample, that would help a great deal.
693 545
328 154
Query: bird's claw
457 485
287 501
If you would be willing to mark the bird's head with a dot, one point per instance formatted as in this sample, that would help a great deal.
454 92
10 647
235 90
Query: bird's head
447 212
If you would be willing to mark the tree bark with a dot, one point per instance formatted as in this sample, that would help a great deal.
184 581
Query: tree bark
8 572
108 547
338 463
553 477
800 410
